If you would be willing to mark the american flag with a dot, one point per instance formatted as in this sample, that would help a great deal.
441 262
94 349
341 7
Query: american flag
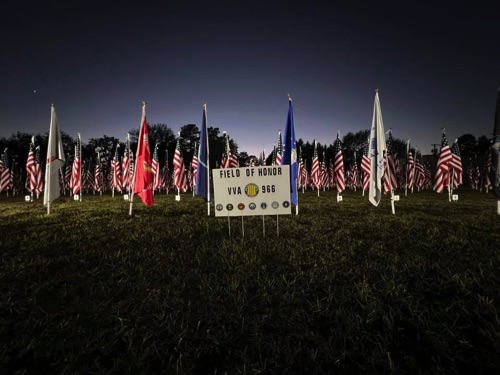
410 171
98 178
6 180
390 177
365 167
456 165
166 181
127 168
30 168
38 171
76 172
442 178
338 167
155 169
354 175
116 172
180 181
419 173
229 160
262 158
315 177
323 173
279 150
301 178
486 171
194 165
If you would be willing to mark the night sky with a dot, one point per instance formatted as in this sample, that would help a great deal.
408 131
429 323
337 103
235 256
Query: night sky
435 66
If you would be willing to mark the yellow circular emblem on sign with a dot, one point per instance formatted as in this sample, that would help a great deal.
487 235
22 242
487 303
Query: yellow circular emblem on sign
251 190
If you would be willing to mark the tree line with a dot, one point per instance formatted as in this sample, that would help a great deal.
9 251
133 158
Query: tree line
472 150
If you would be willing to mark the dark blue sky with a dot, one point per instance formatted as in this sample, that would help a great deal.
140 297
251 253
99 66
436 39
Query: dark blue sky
435 66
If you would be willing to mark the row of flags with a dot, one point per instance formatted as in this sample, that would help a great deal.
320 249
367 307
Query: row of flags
379 171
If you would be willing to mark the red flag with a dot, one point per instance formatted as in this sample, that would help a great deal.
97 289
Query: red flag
143 179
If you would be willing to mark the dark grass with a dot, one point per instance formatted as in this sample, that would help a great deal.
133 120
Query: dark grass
341 288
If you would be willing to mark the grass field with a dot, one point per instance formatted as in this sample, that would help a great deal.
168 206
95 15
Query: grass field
341 288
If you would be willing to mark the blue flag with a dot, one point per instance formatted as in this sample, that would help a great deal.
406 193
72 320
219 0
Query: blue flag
202 188
290 154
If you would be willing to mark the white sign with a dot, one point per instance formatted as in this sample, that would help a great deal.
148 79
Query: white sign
76 197
454 197
125 197
251 191
27 198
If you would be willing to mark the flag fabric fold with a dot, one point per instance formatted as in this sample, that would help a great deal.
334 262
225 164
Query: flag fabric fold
76 171
180 178
365 166
390 174
315 175
116 181
202 184
278 151
376 153
456 165
143 176
290 154
156 169
30 168
442 178
55 160
338 167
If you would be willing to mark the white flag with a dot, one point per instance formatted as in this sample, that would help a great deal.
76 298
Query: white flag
376 154
55 160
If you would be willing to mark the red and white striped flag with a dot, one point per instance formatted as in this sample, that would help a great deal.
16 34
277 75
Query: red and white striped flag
116 181
155 168
456 165
30 168
365 167
315 176
127 166
229 160
390 174
6 180
76 171
194 165
338 167
279 150
442 178
180 181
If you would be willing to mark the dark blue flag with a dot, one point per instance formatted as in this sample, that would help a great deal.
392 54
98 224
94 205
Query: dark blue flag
202 188
290 154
